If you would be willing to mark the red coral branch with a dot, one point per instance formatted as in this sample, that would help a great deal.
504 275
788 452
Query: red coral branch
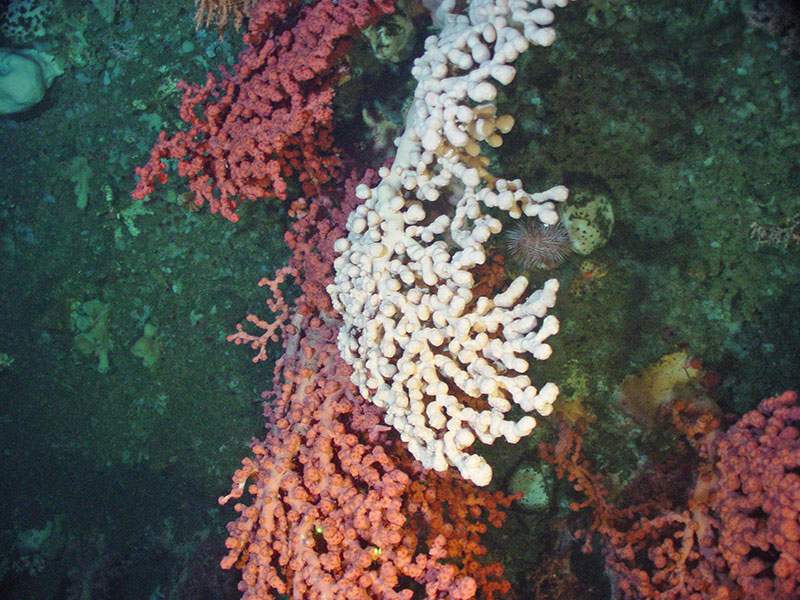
272 117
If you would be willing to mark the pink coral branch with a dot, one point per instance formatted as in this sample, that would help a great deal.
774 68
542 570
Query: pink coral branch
338 508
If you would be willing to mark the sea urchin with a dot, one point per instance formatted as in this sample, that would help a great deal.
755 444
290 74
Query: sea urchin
533 244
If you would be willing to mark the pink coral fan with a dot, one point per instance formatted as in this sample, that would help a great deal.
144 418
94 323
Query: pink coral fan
733 533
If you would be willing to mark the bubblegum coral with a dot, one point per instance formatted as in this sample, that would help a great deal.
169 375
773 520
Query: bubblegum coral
271 117
734 533
758 499
339 509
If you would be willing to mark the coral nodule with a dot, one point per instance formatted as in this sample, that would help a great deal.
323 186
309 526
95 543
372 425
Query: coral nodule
533 244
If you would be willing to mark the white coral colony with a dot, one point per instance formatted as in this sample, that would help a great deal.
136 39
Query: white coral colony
419 342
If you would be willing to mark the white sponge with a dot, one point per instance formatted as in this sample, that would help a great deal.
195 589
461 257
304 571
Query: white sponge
25 76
